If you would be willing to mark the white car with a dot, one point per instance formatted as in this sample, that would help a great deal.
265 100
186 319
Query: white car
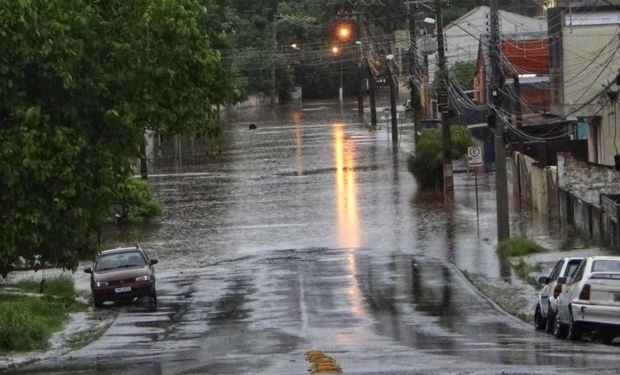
547 306
591 300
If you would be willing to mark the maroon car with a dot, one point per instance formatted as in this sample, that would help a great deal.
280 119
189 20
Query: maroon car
122 273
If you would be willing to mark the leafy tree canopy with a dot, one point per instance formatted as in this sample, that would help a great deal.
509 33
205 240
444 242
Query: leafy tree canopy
80 81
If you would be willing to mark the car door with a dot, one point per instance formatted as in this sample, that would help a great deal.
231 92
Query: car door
570 292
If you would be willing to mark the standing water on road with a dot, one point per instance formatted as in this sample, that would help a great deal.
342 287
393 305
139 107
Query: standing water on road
308 233
309 176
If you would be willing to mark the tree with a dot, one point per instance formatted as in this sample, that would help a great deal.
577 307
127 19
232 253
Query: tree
80 81
464 72
426 164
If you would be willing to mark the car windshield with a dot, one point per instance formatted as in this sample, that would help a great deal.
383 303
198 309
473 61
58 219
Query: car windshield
124 259
607 266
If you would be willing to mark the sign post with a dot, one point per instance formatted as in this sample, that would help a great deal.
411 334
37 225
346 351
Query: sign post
474 161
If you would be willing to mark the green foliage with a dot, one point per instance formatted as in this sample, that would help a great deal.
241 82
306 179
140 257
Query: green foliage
464 73
518 247
80 81
426 164
524 270
26 323
61 286
136 196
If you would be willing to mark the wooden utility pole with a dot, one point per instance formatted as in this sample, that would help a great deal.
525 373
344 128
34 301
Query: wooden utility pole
414 74
517 109
372 84
501 183
360 68
442 93
393 85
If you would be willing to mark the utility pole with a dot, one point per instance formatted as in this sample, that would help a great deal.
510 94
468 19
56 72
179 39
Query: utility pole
501 184
372 84
360 78
518 110
372 89
360 68
393 83
414 74
448 179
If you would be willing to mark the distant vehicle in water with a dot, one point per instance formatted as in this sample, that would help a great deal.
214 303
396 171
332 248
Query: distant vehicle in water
547 305
123 273
591 300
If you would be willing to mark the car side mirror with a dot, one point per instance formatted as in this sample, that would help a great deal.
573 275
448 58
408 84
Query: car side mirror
543 280
562 280
88 270
153 261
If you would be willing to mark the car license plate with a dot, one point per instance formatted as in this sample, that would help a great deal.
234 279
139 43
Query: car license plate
123 289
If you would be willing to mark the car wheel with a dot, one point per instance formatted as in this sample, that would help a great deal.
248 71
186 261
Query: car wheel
539 322
607 337
574 329
154 298
98 302
550 321
559 329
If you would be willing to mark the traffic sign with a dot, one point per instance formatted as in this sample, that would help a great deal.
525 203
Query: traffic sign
474 156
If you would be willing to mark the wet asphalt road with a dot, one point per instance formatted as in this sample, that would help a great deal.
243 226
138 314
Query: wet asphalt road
309 233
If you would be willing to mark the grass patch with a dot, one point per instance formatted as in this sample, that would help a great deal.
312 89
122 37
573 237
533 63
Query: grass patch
61 286
524 270
27 322
518 247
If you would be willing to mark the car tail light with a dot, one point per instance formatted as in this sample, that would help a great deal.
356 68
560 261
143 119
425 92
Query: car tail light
557 290
585 292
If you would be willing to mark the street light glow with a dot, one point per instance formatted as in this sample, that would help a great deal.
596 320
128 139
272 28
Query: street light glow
335 50
344 32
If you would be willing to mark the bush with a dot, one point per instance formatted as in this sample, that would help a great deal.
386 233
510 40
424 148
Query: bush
26 323
518 247
61 286
426 164
135 198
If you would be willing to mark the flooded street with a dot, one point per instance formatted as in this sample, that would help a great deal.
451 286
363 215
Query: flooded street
309 233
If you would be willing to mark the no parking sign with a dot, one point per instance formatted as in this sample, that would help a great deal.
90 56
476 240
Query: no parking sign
474 156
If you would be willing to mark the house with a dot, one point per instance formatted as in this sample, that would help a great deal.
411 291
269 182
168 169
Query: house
463 34
526 58
584 61
584 51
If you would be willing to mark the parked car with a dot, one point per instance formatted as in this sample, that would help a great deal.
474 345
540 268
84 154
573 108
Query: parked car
122 273
546 308
591 300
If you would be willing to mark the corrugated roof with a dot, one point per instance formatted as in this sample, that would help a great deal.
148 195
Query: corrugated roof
527 56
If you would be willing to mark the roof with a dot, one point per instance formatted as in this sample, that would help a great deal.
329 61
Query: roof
527 56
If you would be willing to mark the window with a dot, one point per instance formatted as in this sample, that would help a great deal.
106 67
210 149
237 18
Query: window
578 275
556 271
606 266
571 267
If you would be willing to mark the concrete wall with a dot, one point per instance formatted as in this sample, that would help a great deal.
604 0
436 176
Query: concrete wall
537 186
585 180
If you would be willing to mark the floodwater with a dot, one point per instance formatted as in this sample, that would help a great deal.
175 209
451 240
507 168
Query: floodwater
309 233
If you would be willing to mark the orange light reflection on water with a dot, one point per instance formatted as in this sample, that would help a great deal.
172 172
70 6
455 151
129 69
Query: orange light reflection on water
347 215
346 190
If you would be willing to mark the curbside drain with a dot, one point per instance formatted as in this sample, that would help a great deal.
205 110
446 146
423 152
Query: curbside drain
320 363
